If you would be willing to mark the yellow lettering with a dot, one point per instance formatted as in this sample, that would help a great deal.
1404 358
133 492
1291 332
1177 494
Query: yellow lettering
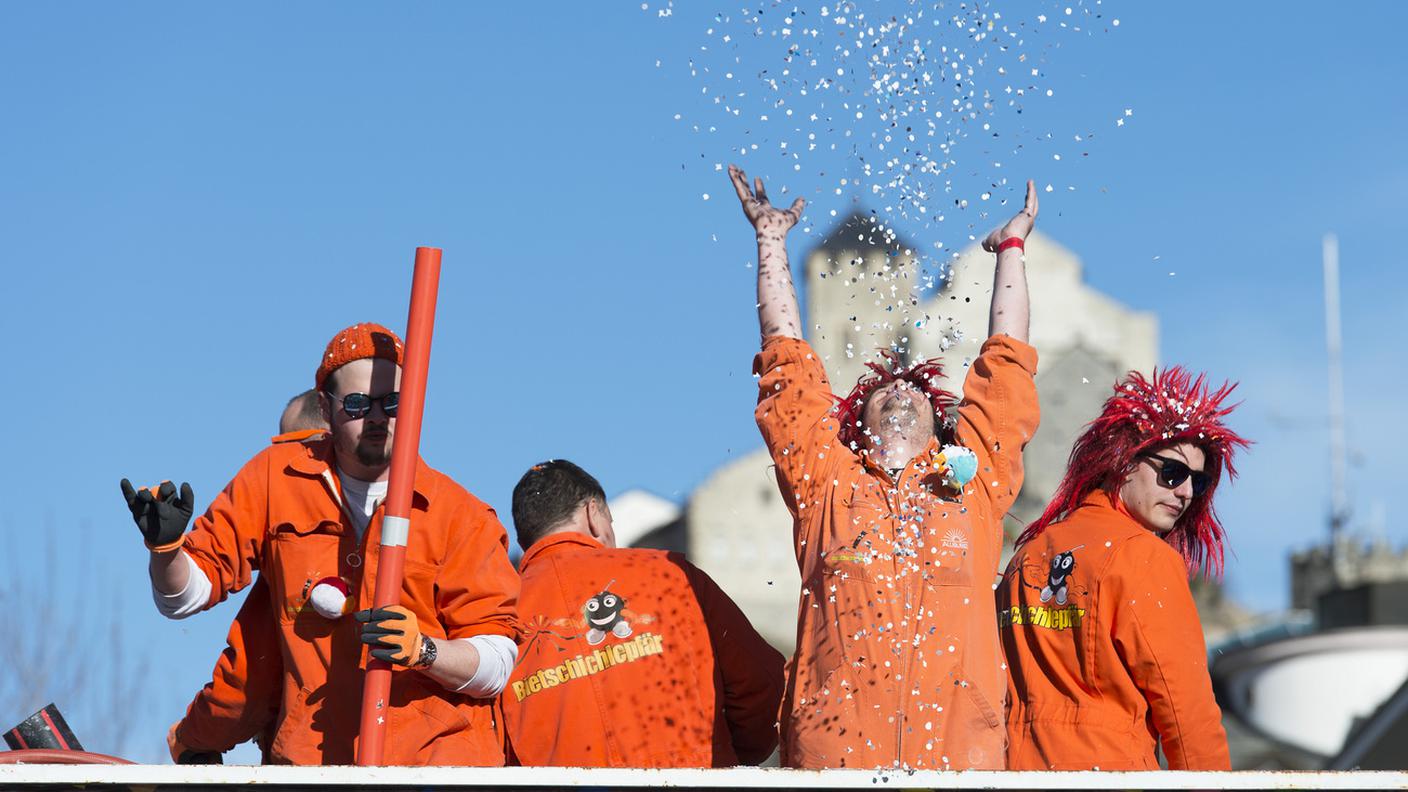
642 645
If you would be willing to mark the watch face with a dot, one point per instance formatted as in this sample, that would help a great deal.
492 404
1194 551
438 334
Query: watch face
427 652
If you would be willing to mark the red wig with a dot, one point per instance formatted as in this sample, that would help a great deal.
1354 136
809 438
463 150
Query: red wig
1142 416
924 375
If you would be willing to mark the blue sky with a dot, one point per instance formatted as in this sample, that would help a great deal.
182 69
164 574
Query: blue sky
193 198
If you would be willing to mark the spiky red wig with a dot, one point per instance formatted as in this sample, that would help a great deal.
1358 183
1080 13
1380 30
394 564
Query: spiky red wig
924 375
1142 416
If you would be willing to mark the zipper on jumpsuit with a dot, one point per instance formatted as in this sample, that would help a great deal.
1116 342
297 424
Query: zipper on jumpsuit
893 498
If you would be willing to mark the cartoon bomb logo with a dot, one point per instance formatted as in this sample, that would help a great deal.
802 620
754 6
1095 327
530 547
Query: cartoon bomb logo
1057 579
606 613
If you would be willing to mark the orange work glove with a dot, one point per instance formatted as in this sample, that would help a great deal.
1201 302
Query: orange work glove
393 633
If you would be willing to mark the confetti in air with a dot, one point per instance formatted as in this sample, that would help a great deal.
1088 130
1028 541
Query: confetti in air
897 120
926 114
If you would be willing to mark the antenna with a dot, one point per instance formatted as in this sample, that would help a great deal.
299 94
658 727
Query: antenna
1339 508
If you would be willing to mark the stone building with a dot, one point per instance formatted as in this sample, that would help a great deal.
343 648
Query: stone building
1343 563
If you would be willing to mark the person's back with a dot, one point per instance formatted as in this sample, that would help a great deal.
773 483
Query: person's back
632 658
1105 655
1098 625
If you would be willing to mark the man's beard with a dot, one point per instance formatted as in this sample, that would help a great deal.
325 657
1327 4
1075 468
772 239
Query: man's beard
374 453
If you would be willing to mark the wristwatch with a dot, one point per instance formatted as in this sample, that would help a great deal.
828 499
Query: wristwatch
427 653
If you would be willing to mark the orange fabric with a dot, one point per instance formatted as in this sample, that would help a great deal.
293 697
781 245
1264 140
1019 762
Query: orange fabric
297 436
362 340
897 660
219 717
280 516
241 701
687 682
1106 656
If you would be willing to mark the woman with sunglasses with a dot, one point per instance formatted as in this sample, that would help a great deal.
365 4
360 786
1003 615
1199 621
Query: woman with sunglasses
1105 654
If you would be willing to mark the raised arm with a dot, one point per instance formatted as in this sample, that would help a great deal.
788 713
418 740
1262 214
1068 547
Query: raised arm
777 300
1010 313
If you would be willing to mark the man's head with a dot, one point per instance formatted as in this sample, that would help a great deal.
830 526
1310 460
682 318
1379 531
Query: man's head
304 412
1163 484
359 378
893 397
558 496
1158 448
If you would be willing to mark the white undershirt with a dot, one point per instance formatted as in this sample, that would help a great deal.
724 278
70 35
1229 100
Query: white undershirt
362 498
497 653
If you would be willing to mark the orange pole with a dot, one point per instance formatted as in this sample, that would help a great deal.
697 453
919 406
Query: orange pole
395 523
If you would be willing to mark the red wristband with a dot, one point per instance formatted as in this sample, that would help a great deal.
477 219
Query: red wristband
1013 242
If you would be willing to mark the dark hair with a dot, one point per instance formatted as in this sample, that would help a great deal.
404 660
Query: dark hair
309 413
547 495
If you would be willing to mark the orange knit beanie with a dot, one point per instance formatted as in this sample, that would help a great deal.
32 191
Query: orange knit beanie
362 340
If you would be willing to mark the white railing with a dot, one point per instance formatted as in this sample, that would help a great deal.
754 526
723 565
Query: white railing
737 778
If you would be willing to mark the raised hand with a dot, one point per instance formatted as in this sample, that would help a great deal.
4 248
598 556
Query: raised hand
766 219
161 518
1019 226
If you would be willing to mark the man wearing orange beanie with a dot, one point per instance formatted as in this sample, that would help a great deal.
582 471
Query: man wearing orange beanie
307 517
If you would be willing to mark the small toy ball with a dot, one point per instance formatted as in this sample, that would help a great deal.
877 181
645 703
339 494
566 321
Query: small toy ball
962 465
330 597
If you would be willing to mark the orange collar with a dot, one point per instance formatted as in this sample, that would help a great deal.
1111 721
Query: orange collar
1099 499
297 437
314 456
557 541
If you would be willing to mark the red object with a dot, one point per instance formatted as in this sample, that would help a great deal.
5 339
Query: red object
1013 242
924 375
361 340
1141 416
405 450
57 756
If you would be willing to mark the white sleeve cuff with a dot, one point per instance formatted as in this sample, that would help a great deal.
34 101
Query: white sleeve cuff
497 655
191 599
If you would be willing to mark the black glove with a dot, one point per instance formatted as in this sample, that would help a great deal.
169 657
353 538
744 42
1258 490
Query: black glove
162 519
189 757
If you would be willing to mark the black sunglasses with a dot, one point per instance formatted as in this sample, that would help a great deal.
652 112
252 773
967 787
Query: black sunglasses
1172 473
359 405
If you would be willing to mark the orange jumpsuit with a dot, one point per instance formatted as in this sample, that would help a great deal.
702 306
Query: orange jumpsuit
282 516
635 658
249 670
241 701
897 660
1105 651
